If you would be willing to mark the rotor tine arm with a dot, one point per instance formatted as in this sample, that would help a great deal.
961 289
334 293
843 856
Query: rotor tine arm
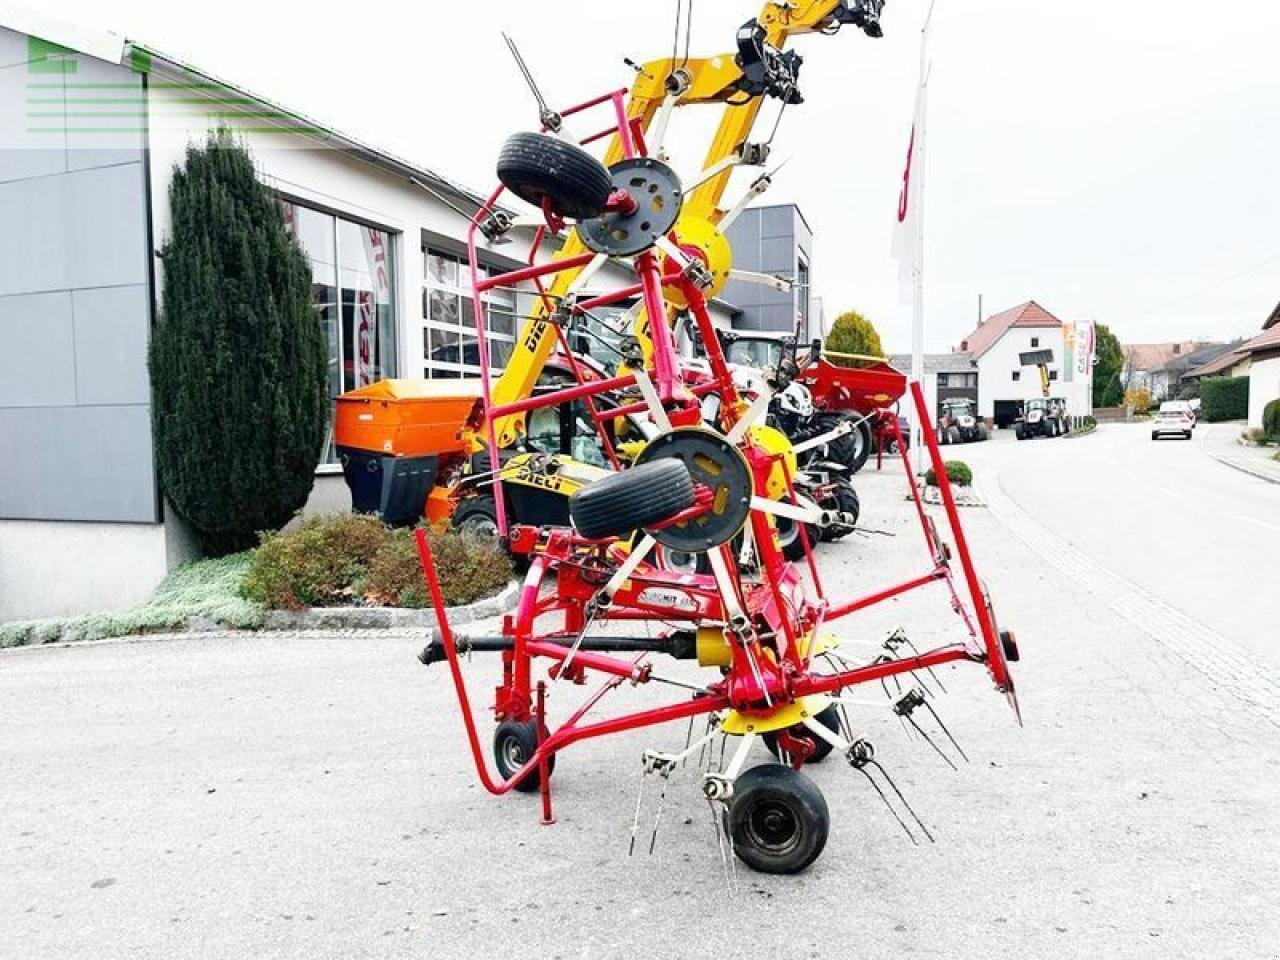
658 131
634 559
804 514
656 410
585 274
780 284
757 188
759 407
713 171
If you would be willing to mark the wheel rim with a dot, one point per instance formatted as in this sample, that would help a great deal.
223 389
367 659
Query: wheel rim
513 754
478 525
678 561
787 530
772 826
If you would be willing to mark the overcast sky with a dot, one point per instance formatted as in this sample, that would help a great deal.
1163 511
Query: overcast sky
1116 161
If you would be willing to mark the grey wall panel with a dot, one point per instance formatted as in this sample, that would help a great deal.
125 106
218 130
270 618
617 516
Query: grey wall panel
107 226
77 463
34 247
30 145
111 332
104 141
37 361
778 221
13 48
778 255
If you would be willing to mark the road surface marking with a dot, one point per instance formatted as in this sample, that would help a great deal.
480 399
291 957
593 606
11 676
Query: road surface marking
1255 520
1172 493
1205 651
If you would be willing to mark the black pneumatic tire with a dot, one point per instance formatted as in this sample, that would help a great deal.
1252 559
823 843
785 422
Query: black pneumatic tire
514 742
778 819
632 499
537 166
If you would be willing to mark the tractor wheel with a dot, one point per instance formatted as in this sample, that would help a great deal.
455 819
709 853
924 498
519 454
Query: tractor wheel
829 718
955 434
633 499
477 516
514 742
846 502
789 537
537 167
853 448
778 819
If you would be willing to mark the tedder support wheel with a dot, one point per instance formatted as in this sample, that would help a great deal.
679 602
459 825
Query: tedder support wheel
633 499
514 742
829 718
778 819
537 167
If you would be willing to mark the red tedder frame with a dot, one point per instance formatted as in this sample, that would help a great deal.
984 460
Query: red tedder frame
788 595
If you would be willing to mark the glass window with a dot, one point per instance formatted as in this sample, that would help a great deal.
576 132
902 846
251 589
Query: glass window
802 291
352 278
1035 342
447 314
1017 375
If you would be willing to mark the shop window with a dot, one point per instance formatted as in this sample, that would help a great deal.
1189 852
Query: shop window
1035 342
449 344
353 288
1017 375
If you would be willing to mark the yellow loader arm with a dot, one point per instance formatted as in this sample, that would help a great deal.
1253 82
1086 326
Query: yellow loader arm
709 80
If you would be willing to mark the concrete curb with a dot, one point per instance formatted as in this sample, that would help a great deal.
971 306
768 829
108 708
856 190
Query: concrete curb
314 618
964 496
388 618
1243 467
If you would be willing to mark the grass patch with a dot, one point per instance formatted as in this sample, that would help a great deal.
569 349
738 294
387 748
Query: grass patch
203 588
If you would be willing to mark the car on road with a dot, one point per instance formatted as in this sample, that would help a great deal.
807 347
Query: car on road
1174 417
1180 406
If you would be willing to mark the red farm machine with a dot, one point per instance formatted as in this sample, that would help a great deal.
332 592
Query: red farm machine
595 612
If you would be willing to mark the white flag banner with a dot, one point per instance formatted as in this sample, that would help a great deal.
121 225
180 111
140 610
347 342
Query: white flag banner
906 231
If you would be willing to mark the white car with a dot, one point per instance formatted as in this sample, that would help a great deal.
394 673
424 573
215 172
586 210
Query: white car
1175 416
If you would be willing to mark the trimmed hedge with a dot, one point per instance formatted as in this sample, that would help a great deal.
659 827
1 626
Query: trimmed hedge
356 560
1224 398
958 472
1271 420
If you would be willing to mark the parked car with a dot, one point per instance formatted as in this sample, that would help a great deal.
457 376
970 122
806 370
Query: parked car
1180 406
1175 417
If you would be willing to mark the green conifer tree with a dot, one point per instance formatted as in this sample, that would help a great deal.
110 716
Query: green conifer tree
238 359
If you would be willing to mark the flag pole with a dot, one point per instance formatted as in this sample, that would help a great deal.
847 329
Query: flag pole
917 271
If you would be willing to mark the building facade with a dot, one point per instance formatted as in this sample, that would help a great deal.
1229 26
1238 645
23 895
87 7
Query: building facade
93 128
773 240
1004 382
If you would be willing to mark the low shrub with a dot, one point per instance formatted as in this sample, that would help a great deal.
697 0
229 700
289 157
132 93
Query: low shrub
1253 434
204 588
352 560
1138 399
958 472
1224 398
318 563
1271 420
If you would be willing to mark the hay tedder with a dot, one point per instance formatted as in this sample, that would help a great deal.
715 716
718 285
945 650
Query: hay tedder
594 609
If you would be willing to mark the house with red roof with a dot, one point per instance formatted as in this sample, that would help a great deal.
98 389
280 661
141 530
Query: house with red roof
996 347
1263 352
1257 358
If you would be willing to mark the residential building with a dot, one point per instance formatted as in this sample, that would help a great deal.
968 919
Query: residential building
1160 367
84 202
946 376
1263 352
996 347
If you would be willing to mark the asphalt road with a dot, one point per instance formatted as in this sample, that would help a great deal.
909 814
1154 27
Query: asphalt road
311 796
1182 527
